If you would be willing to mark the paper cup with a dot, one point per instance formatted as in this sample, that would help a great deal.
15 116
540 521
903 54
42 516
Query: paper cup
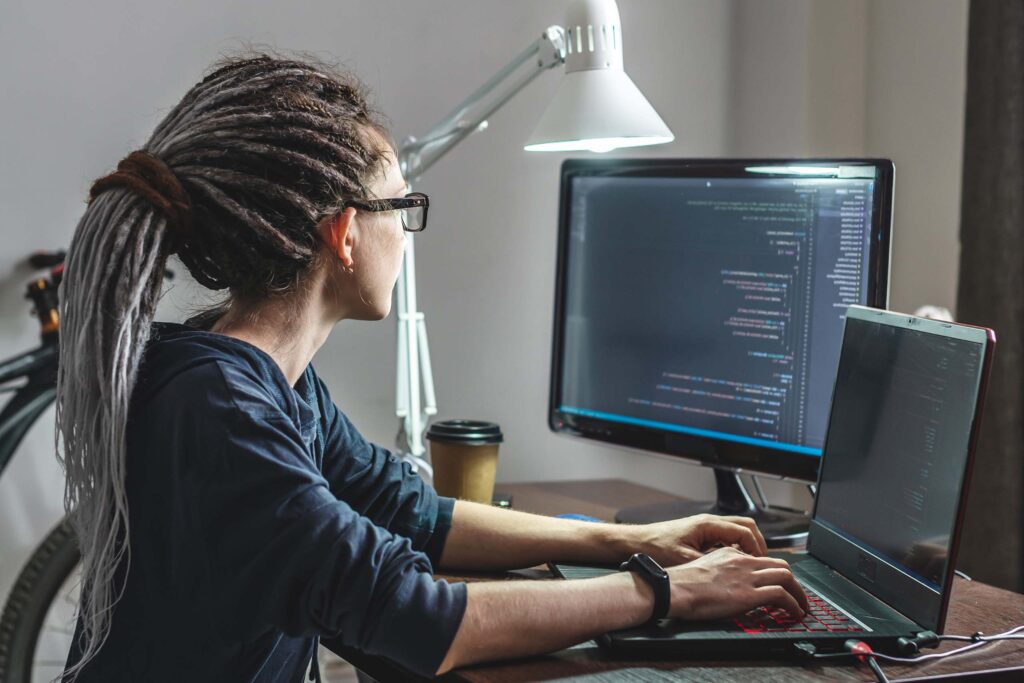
464 454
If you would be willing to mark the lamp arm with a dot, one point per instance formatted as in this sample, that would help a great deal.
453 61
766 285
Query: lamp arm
416 155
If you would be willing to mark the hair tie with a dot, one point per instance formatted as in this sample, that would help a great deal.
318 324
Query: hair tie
153 180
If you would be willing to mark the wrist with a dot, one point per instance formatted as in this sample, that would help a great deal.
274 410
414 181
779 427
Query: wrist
620 541
644 595
682 599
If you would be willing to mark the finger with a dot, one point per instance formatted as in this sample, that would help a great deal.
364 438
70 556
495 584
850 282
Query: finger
771 576
771 563
785 579
778 597
752 525
727 533
730 549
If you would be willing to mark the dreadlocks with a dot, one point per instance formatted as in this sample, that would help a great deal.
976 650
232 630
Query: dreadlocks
234 181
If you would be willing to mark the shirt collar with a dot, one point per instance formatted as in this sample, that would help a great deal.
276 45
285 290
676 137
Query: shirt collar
304 389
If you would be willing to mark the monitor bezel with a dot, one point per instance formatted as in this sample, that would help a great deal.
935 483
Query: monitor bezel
859 562
704 450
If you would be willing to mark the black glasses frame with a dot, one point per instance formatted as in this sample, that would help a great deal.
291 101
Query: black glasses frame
413 200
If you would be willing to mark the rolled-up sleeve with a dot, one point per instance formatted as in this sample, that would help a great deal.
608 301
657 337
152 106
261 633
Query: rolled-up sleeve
294 556
378 484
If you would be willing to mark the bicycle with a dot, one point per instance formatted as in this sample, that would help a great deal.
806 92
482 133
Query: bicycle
35 625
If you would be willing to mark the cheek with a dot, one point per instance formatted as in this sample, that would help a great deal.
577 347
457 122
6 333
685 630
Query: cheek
399 251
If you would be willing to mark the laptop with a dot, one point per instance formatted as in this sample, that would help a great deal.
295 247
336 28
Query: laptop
892 487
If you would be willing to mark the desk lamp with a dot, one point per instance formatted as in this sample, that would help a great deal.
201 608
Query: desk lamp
596 108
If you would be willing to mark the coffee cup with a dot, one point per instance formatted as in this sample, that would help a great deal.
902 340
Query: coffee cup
464 455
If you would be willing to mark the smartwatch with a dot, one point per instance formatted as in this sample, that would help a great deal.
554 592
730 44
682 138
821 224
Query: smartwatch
651 572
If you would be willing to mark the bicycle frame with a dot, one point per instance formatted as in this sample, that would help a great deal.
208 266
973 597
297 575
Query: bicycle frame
39 367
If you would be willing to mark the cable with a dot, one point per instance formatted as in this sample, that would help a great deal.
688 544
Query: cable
863 652
877 669
978 640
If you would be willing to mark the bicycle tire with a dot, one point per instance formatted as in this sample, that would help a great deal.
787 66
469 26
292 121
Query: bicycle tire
30 599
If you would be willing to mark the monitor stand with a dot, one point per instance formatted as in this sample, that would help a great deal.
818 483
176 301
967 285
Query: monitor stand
782 527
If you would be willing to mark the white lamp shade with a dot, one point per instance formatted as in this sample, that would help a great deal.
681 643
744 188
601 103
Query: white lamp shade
597 107
598 110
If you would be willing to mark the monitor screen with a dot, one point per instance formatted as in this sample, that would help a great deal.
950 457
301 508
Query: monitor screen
700 304
898 439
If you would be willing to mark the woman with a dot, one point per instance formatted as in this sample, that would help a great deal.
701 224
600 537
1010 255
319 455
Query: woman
229 514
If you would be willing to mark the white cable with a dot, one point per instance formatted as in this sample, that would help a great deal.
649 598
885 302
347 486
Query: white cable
981 641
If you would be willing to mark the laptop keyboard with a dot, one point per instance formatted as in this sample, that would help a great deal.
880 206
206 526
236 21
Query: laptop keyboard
823 617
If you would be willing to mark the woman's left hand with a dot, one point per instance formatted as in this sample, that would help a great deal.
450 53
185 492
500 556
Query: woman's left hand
680 540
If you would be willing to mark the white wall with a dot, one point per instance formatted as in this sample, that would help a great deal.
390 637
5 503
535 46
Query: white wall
84 83
917 58
865 77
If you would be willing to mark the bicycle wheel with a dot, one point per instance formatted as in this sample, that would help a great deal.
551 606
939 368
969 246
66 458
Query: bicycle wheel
37 624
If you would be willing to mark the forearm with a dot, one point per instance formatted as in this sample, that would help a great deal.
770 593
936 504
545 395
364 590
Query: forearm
521 618
509 619
485 537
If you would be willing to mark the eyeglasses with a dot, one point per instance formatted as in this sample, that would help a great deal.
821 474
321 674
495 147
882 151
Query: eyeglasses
413 208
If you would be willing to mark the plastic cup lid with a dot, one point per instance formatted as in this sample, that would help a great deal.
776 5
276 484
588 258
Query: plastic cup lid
465 431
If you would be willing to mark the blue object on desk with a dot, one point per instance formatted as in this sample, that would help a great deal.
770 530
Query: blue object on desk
582 518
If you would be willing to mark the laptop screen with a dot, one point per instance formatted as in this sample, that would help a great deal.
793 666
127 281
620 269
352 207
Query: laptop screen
898 443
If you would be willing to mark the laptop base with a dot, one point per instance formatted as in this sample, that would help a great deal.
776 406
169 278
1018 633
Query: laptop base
673 638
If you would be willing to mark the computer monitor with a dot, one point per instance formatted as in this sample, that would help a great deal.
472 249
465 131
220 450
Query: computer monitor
699 310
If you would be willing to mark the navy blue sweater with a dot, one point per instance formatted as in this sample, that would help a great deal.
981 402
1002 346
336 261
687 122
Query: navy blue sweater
260 520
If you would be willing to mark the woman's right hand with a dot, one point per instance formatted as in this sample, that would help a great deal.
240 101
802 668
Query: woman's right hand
728 582
507 619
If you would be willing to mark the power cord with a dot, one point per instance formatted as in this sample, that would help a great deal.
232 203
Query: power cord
863 653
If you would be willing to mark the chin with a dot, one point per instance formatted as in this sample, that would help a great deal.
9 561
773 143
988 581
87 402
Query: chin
381 312
371 314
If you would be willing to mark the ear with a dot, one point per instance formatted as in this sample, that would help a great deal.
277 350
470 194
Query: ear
339 236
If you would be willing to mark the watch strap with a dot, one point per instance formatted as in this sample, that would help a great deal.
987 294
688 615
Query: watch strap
656 577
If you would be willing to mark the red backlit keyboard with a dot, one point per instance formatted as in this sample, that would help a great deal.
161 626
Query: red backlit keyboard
822 618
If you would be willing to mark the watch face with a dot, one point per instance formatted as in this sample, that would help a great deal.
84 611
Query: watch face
650 566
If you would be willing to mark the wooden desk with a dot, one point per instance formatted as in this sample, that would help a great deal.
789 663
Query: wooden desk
974 607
